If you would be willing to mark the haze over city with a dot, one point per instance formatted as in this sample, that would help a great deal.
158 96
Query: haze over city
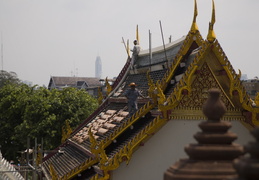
48 38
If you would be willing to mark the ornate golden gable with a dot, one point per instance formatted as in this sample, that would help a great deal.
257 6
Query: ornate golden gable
191 102
211 68
203 81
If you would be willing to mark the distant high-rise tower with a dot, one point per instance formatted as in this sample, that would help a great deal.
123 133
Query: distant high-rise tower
98 67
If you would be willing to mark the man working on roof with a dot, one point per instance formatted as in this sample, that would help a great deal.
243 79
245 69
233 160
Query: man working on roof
135 52
132 95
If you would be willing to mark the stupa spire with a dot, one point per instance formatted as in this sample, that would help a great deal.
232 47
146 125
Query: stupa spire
212 157
248 166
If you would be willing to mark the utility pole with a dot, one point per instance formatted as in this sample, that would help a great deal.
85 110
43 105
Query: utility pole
2 52
27 156
34 168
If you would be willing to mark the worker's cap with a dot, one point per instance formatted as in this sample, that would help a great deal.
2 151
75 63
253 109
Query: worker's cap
132 84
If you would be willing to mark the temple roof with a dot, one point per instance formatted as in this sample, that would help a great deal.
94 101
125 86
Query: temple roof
174 88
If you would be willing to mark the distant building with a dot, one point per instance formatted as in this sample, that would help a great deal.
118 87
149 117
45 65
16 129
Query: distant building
90 84
243 77
252 87
98 67
29 83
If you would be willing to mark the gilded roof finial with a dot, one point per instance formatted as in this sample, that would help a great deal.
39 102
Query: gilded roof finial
66 131
194 27
100 96
257 99
108 86
53 173
211 35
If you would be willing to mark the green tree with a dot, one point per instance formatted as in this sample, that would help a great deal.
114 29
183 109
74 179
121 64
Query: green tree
8 77
37 112
12 106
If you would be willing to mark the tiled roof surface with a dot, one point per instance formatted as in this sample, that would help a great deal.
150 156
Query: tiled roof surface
104 124
69 157
141 81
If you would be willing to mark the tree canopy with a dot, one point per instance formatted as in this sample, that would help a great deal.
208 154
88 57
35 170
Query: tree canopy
37 112
8 77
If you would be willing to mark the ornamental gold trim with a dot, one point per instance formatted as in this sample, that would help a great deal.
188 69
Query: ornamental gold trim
108 86
235 83
100 96
125 153
53 172
66 131
189 40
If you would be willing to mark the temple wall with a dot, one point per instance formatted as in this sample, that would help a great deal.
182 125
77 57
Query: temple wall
165 148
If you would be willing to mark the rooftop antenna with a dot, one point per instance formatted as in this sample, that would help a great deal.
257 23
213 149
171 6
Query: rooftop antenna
76 72
74 68
164 44
2 52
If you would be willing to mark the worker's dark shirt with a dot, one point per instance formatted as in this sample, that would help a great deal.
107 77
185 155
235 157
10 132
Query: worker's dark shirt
132 95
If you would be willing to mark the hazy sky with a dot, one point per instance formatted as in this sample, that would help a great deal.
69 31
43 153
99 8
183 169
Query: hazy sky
44 38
